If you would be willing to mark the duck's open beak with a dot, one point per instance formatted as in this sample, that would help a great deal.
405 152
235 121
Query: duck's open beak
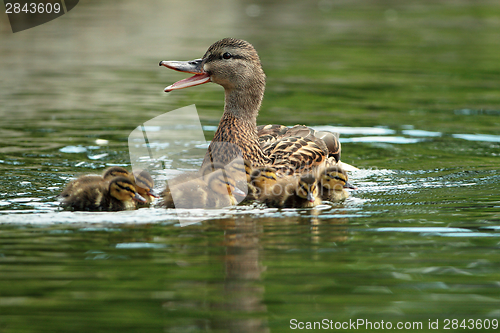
311 197
194 67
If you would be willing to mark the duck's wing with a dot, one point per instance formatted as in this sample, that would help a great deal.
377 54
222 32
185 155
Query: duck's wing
293 155
268 134
299 148
332 142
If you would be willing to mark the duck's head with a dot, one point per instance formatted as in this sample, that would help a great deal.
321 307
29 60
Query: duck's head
123 189
307 187
335 178
264 178
144 184
209 168
116 171
222 183
232 63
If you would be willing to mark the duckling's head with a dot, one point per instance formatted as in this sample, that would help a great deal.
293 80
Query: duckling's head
232 63
240 170
115 171
335 178
144 184
222 183
123 189
264 178
307 187
208 168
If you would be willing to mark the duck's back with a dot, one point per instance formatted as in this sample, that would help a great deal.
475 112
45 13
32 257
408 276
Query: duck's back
297 149
93 197
79 183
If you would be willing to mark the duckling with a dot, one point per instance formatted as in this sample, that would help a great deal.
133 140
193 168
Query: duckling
294 192
235 65
241 170
116 195
144 184
186 177
190 193
217 191
84 180
224 190
333 181
263 179
306 194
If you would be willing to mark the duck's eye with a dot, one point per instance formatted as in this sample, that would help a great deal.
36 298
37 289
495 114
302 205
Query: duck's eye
226 55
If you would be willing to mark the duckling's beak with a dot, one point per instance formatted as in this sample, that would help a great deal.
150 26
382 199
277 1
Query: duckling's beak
349 185
238 192
311 197
139 198
194 67
153 194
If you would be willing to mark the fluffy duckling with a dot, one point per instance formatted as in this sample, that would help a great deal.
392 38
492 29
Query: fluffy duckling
294 192
191 176
333 181
218 190
84 180
241 171
118 194
306 194
144 186
224 189
263 179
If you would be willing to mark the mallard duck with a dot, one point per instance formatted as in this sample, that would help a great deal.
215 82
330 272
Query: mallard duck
333 181
294 192
235 65
107 175
117 194
217 190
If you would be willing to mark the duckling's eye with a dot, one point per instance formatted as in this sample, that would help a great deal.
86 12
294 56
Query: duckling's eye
226 55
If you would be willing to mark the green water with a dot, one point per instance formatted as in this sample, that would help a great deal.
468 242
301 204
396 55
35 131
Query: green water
413 88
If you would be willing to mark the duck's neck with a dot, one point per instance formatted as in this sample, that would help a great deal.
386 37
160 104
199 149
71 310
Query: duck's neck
244 104
238 126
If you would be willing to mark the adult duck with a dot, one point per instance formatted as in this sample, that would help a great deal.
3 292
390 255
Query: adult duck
235 65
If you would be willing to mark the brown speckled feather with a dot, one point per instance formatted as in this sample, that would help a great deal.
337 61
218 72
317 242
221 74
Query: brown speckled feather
230 130
297 149
293 155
